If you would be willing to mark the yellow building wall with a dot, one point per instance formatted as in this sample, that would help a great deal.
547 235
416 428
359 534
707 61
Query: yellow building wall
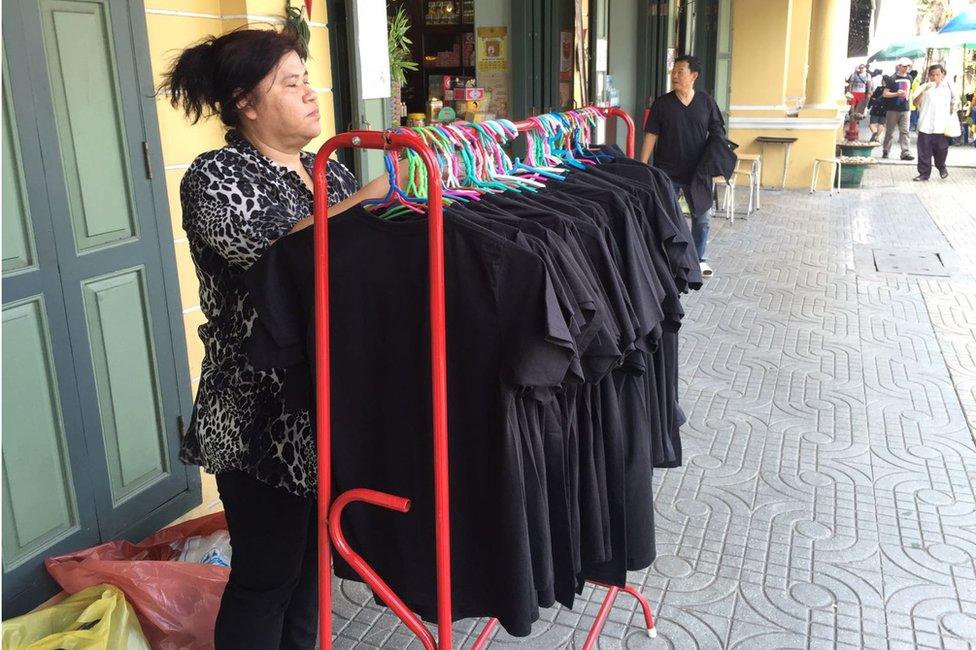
799 43
760 38
173 25
771 44
811 144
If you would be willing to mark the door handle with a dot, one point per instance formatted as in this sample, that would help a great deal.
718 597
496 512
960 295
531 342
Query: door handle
365 125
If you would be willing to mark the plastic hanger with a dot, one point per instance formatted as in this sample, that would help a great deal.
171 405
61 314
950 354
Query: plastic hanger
495 163
559 139
529 166
395 195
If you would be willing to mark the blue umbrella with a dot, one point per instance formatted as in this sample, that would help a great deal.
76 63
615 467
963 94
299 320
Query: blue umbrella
964 22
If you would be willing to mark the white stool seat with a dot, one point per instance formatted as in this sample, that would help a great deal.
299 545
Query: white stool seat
835 169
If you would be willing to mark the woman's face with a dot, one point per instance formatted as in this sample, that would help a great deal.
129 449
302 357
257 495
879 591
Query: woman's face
284 107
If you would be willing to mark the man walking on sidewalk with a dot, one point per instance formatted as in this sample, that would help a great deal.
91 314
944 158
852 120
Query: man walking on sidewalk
676 131
934 101
899 112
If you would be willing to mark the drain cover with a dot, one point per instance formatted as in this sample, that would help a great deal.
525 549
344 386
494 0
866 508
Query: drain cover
910 262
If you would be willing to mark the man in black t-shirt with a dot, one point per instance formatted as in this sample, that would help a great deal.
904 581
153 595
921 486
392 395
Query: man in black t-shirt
898 112
676 131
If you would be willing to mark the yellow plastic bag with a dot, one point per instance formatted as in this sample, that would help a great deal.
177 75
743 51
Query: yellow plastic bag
96 618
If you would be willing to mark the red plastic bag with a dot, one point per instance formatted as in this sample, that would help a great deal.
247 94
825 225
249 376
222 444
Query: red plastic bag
176 602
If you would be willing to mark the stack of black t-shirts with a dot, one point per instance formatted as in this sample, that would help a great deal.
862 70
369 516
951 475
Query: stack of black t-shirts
562 312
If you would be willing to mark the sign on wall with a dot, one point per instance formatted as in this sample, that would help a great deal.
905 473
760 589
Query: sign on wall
492 49
492 66
371 46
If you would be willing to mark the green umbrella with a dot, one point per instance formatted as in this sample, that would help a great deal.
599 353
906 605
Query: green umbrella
917 47
913 48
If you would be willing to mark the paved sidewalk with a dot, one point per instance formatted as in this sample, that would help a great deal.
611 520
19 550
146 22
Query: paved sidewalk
960 155
827 498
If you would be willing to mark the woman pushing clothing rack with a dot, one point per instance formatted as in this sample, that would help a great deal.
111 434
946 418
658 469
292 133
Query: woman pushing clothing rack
236 201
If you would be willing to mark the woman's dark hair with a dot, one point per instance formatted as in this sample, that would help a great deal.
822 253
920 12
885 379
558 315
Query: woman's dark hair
694 63
209 77
937 66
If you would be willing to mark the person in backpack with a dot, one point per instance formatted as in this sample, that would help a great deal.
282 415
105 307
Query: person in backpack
877 110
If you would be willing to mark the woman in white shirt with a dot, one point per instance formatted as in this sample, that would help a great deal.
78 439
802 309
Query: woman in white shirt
934 101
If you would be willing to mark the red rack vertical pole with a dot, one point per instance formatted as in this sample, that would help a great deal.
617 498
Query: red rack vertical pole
612 591
438 357
615 111
438 350
323 413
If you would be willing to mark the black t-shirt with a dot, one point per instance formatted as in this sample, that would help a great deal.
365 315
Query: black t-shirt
576 488
671 228
539 459
681 132
505 333
895 83
642 283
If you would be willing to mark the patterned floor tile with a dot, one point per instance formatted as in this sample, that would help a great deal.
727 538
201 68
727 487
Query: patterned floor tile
827 497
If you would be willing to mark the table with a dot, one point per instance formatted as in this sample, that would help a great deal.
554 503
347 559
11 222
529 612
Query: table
763 140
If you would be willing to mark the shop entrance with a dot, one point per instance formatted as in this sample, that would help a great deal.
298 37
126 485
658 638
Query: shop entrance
703 28
476 60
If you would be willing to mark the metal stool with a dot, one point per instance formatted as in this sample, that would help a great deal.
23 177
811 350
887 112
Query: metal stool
835 168
755 177
728 198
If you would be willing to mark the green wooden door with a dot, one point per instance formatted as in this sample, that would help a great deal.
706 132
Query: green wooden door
93 352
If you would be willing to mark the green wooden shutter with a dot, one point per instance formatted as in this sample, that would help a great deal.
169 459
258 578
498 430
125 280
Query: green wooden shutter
48 504
18 236
97 328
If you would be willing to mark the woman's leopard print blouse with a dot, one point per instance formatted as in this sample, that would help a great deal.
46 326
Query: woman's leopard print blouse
235 203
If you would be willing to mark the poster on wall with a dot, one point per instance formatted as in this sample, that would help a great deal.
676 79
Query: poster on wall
492 49
372 50
670 65
601 55
565 56
492 66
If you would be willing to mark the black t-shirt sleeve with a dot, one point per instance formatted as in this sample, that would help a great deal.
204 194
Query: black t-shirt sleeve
716 124
278 335
653 124
539 346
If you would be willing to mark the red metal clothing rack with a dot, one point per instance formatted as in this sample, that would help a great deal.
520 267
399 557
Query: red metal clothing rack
329 512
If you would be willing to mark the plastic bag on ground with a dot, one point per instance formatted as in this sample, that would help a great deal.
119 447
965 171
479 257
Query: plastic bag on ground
208 549
97 618
176 602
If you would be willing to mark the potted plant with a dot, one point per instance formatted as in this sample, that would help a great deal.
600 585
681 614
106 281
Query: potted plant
398 44
297 20
856 148
852 169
